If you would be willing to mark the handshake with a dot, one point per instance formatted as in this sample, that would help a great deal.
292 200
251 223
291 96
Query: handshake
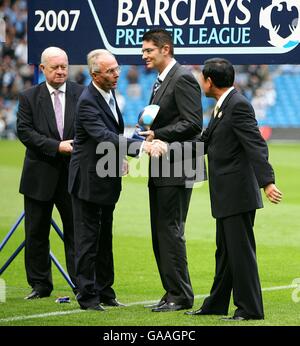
155 148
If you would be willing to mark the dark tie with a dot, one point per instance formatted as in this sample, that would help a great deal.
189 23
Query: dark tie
58 113
156 86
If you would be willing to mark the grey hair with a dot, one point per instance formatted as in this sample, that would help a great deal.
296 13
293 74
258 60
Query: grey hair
93 58
51 52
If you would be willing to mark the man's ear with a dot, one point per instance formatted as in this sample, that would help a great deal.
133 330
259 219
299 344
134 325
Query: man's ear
166 49
209 80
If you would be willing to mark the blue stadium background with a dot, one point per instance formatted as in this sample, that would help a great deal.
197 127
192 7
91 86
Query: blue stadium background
273 90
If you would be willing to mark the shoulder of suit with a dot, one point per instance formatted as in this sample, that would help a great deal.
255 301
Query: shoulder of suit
74 85
89 94
184 73
34 91
236 96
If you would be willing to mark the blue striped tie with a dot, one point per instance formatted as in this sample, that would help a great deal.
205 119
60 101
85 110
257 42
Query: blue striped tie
156 86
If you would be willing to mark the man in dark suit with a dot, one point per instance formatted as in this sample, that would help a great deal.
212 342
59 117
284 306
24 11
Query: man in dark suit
95 180
179 119
238 167
45 125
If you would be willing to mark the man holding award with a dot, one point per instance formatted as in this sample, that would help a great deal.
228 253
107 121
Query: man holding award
179 119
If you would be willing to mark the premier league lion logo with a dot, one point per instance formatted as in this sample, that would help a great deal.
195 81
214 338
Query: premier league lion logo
265 20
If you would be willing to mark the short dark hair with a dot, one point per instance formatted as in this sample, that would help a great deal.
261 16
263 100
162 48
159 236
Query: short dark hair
220 71
160 37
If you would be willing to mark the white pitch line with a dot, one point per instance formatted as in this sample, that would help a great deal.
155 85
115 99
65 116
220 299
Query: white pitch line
76 311
48 314
277 288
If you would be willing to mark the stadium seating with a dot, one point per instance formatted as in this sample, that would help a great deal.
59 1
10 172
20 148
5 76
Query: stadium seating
285 112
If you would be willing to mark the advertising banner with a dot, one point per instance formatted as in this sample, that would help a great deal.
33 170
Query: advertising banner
243 31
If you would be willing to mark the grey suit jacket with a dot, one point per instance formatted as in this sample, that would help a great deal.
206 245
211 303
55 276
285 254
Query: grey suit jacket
179 118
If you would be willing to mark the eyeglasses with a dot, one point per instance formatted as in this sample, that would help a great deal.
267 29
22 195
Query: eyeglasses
148 50
110 71
114 70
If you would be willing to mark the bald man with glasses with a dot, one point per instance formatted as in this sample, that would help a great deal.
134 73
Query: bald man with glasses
99 123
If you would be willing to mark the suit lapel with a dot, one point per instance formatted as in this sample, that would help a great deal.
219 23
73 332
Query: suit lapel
69 112
46 106
160 92
103 104
164 85
215 121
121 122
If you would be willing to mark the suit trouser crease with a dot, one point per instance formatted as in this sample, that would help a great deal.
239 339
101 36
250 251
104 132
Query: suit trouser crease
236 268
93 252
168 209
37 245
37 229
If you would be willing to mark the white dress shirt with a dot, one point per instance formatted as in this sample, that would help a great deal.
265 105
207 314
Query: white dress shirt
107 96
164 73
221 100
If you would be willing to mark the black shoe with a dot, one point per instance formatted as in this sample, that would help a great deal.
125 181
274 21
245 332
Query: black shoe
202 312
36 295
196 312
111 302
234 319
156 305
169 306
95 308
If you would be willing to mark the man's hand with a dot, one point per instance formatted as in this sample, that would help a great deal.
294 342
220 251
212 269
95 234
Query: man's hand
66 147
272 193
148 134
155 148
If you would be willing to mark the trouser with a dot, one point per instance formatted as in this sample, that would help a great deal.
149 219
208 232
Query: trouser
168 210
37 246
93 251
236 269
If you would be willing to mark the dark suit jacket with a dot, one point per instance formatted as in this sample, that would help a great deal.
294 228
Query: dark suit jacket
37 130
95 123
237 158
180 116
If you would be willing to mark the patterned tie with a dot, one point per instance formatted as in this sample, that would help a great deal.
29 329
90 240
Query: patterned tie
112 105
156 86
58 113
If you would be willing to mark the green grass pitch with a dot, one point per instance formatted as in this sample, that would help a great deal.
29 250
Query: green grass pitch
137 281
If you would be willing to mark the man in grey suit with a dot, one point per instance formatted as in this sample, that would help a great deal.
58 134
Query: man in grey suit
179 119
45 125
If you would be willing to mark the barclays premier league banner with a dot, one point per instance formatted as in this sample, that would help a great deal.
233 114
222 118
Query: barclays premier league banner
243 31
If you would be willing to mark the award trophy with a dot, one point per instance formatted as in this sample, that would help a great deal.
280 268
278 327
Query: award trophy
145 120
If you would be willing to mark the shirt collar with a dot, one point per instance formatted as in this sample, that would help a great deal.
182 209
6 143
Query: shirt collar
62 88
223 97
164 73
106 95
